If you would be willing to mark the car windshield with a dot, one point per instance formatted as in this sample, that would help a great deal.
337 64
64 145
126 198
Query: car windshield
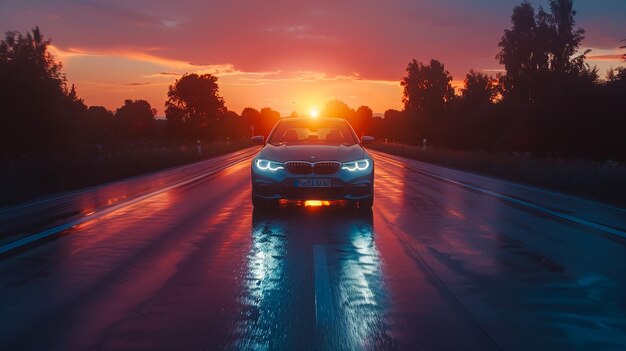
313 132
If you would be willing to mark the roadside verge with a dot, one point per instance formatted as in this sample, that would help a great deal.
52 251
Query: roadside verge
26 223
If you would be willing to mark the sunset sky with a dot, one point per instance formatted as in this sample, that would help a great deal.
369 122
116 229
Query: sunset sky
287 55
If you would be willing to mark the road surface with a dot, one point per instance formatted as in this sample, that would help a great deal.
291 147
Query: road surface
446 260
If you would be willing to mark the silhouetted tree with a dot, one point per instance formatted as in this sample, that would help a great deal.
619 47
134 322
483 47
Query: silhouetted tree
522 55
610 112
469 121
268 119
38 112
337 108
361 120
395 126
378 128
252 117
233 127
479 90
567 38
540 46
616 77
193 106
426 90
99 123
135 119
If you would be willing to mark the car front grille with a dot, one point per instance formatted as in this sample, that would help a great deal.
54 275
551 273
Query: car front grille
326 167
301 167
295 167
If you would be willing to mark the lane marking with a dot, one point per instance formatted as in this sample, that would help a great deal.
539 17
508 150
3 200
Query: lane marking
389 158
62 227
323 296
574 219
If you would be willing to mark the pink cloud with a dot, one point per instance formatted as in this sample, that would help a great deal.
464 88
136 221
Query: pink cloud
374 38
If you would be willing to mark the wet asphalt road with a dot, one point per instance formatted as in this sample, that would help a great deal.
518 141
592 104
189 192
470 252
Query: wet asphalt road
434 266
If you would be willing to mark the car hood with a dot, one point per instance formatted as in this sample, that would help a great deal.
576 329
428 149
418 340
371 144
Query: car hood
312 153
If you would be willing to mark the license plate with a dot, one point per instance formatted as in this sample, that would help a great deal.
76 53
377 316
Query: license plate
313 183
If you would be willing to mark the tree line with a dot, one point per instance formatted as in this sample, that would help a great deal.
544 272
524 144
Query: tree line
548 101
40 113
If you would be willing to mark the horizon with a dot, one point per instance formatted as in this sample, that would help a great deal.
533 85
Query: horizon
296 59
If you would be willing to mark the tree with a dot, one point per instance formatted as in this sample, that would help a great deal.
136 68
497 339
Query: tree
233 127
539 49
395 126
362 120
267 120
135 119
479 89
521 55
99 123
567 39
616 76
426 90
337 108
194 105
38 112
252 118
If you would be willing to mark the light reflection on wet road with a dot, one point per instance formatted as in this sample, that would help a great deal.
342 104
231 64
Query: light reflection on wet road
433 266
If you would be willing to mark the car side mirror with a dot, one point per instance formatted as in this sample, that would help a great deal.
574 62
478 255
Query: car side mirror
366 139
258 139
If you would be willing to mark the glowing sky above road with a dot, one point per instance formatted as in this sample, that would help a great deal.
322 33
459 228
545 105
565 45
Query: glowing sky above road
284 54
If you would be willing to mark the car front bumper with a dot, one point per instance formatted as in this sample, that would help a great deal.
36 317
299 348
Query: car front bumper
345 185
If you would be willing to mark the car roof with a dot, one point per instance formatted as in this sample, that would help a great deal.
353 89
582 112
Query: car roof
306 118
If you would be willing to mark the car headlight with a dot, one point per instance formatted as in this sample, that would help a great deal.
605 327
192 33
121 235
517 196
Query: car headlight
360 165
266 165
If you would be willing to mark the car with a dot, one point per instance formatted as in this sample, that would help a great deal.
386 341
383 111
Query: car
307 158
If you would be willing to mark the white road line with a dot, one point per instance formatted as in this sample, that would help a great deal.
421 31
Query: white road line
527 204
323 297
62 227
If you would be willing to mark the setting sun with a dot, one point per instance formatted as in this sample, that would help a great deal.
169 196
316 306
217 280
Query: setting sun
314 112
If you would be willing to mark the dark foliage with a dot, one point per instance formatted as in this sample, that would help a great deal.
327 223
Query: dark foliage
267 120
360 119
195 111
549 103
38 111
427 89
194 106
135 120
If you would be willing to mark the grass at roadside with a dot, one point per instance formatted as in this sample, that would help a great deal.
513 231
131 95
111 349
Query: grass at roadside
23 179
605 181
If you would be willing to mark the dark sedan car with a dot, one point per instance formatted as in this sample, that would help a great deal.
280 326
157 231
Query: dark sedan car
313 159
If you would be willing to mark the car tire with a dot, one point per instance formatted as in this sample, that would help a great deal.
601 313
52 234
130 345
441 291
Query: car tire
259 203
366 204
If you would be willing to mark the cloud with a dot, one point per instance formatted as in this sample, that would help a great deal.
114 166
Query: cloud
172 22
288 29
138 83
609 57
374 38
